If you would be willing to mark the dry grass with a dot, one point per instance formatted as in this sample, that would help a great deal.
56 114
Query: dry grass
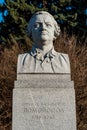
78 60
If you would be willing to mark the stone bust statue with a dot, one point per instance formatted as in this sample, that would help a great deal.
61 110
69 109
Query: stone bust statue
42 58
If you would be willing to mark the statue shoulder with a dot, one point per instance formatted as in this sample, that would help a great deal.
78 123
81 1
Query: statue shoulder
65 62
64 57
21 57
21 60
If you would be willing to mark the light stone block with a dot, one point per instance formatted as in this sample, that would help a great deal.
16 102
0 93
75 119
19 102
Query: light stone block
43 84
44 105
45 76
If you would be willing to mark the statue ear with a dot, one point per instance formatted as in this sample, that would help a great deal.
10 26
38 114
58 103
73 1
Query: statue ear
54 38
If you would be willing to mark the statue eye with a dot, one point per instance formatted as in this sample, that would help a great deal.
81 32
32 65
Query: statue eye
36 25
48 25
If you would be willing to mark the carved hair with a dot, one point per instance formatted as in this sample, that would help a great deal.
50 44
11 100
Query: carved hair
30 24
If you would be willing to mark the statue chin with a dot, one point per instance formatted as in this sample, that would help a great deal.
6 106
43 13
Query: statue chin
44 38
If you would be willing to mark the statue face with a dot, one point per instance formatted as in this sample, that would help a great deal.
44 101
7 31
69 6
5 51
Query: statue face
43 29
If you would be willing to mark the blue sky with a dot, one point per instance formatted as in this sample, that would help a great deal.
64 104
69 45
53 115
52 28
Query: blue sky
1 2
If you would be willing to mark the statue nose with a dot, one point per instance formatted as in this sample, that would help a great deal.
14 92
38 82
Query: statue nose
43 26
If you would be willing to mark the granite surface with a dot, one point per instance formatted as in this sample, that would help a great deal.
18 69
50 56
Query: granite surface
44 105
45 76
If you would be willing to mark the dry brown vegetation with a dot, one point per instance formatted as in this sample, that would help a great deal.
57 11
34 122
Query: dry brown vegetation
78 58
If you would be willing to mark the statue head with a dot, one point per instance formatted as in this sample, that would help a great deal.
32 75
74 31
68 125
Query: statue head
41 25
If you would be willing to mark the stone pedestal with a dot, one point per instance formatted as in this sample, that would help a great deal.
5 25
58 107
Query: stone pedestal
44 102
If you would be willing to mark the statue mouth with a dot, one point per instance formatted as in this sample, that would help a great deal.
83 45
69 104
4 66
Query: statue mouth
44 32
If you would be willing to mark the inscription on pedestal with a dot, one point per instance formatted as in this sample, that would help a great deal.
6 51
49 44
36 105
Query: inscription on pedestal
44 109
